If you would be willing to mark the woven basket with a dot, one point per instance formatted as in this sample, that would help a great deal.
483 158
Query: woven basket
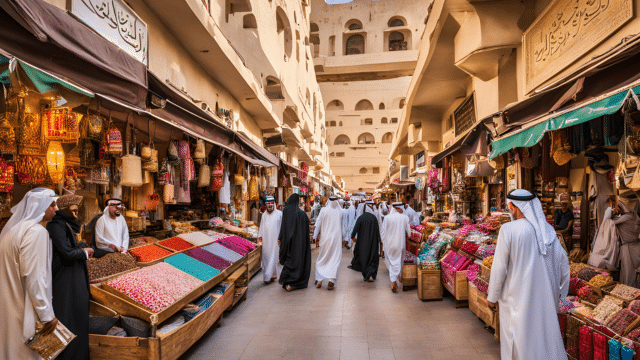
131 171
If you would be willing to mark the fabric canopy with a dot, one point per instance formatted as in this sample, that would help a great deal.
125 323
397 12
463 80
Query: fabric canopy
48 38
532 135
473 138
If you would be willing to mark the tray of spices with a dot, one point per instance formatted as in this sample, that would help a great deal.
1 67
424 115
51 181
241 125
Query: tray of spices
150 254
141 241
110 266
176 244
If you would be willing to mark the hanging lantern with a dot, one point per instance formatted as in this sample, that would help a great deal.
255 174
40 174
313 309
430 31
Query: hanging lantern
55 161
61 124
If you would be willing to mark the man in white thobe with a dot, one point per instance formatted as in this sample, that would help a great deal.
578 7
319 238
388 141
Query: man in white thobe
268 236
414 218
529 276
112 232
395 231
25 274
329 225
348 222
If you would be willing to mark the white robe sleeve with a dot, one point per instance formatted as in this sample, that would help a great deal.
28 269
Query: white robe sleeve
407 229
499 268
564 272
35 269
101 240
318 225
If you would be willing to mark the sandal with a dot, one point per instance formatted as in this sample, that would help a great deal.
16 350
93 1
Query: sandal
330 286
318 284
288 288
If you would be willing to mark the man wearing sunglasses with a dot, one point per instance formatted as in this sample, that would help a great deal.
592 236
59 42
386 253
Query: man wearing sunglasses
112 233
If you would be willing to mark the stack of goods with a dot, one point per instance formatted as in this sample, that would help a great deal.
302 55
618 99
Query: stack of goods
625 292
576 284
457 243
606 310
485 251
156 287
237 244
409 258
575 267
473 271
214 235
492 224
192 267
467 229
216 222
587 274
599 346
149 253
176 243
599 281
133 243
196 238
208 258
469 248
585 293
455 261
488 262
110 264
223 252
620 321
183 227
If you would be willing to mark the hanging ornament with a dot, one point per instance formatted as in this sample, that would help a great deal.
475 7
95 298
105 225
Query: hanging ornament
55 161
61 124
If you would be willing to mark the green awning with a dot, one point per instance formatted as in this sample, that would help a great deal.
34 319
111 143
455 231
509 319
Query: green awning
4 70
531 136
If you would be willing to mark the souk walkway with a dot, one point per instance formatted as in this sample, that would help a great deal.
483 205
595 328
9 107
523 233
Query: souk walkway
356 320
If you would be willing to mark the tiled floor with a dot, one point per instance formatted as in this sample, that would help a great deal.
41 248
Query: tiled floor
356 320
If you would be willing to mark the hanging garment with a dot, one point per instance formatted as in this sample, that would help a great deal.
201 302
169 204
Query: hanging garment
606 248
224 195
329 226
269 231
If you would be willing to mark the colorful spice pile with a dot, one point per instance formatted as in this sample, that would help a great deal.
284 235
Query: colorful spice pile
149 253
223 252
587 274
625 292
156 287
621 321
176 243
473 271
575 267
242 242
109 264
481 285
634 306
192 266
606 309
565 305
600 280
485 251
469 247
488 261
133 243
196 238
586 293
634 335
576 284
208 258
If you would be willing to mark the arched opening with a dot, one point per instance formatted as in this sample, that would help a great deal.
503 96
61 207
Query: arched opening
364 105
363 170
366 138
314 27
396 41
342 140
387 138
384 120
381 106
335 105
273 88
354 45
249 22
397 21
353 24
402 102
284 31
340 123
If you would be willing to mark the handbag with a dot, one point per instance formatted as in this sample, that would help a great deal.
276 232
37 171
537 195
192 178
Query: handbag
216 183
200 153
114 141
145 152
151 164
168 192
87 154
172 153
204 176
93 127
183 193
101 175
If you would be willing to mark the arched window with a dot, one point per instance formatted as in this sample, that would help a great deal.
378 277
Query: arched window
396 41
314 27
394 120
395 22
249 22
384 120
364 105
366 138
335 105
402 102
363 170
342 140
284 31
381 106
353 24
340 123
333 123
387 138
355 45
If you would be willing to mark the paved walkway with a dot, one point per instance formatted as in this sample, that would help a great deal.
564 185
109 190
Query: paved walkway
356 320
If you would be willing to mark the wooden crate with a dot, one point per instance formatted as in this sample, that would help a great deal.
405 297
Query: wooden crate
479 305
126 306
409 275
168 346
254 260
429 285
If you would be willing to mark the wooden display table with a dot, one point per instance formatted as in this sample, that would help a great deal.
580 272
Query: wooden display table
409 277
479 305
457 285
429 285
254 260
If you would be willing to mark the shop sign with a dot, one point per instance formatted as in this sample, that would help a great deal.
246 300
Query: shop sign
115 21
565 31
420 159
465 115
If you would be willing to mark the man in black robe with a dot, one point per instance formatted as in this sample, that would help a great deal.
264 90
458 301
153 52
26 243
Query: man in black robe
365 254
70 278
295 246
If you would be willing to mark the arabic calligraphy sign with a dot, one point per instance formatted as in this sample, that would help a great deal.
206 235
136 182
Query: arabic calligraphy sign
565 31
116 22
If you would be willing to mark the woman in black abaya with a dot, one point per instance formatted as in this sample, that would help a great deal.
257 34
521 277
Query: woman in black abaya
70 278
295 246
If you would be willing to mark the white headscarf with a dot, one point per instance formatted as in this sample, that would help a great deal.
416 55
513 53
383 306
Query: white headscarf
532 210
334 204
29 211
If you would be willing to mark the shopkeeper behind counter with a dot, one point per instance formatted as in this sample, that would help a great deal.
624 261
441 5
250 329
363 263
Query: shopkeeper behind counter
563 218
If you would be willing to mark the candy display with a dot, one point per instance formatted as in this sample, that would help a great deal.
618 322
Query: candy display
208 258
469 248
176 243
242 242
223 252
620 321
625 292
196 238
576 284
606 309
109 264
600 280
192 266
156 287
634 306
634 335
149 253
586 293
484 251
488 261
